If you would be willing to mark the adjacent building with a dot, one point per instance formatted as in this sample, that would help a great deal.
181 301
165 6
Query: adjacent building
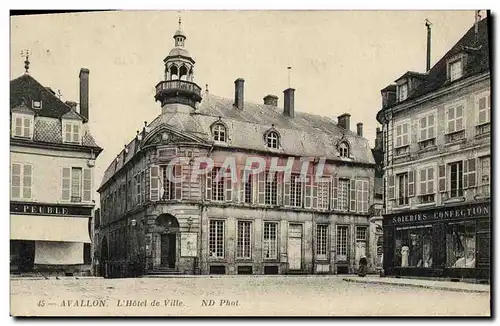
206 225
52 155
437 164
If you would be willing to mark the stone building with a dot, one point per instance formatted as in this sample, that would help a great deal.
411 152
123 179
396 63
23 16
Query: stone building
206 225
437 154
52 156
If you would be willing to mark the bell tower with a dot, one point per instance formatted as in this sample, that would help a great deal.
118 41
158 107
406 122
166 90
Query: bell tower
178 86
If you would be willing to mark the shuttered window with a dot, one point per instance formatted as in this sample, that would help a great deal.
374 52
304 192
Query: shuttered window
72 132
270 240
21 181
321 241
22 125
76 184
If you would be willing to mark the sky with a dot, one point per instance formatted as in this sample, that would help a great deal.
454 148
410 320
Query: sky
340 59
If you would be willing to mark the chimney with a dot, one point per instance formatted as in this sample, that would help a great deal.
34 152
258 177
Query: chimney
72 105
84 92
271 100
359 128
428 63
378 139
238 93
289 102
344 121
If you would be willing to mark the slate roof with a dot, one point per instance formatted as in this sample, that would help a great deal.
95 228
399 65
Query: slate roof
478 61
304 135
47 129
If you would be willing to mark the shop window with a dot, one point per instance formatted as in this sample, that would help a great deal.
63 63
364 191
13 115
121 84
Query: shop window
461 245
244 241
413 247
321 241
456 179
216 239
270 240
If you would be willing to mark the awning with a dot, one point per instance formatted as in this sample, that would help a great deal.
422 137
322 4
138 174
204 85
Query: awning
58 253
49 228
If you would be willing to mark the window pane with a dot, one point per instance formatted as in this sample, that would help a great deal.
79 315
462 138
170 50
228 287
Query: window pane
76 177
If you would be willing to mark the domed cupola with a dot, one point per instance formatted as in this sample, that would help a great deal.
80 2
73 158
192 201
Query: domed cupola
179 85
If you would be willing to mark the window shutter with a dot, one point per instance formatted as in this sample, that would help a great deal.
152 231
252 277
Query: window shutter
442 178
228 185
411 183
286 193
353 195
27 181
18 126
359 195
16 180
334 193
66 183
414 132
27 127
314 193
422 189
67 134
154 182
87 185
391 191
208 185
366 197
465 174
430 181
308 193
261 188
279 185
241 188
178 183
472 172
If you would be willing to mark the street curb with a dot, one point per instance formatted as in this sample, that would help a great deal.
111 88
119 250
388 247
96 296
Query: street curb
432 287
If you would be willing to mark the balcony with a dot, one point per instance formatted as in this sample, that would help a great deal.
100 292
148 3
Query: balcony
178 91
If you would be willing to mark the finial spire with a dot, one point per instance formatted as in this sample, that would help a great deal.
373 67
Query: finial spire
26 53
180 21
289 73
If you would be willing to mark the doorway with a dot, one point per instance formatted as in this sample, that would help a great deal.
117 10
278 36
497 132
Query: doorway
168 246
295 246
167 228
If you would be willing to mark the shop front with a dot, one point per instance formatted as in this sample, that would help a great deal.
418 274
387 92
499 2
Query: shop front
49 238
449 241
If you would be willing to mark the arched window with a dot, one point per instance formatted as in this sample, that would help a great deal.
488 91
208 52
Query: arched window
174 73
272 139
219 132
344 149
183 73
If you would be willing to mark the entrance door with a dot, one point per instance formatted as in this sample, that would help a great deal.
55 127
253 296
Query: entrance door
295 246
360 252
168 244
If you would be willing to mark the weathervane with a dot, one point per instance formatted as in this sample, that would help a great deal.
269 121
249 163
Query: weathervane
26 53
289 73
180 20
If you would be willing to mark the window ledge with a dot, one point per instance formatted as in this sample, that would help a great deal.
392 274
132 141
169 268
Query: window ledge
454 200
407 154
426 204
427 149
400 208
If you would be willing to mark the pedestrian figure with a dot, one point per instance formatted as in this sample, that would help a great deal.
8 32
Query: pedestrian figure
362 266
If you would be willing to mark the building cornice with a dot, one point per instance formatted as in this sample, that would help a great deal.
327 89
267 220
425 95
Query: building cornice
65 147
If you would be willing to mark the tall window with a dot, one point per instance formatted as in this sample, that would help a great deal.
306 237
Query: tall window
272 140
22 126
295 191
403 92
76 184
217 186
403 189
216 238
247 187
427 128
402 135
138 188
456 179
343 149
455 70
244 241
484 108
323 193
485 175
21 181
219 132
461 245
271 194
343 194
171 188
426 184
72 132
342 242
270 240
321 241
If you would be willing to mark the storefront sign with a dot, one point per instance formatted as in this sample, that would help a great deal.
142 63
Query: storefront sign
189 243
44 209
468 211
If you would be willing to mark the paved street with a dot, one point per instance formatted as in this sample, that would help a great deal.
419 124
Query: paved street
241 295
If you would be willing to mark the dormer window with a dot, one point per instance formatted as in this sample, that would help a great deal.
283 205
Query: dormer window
37 105
219 132
272 140
456 69
403 92
344 149
72 132
22 126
